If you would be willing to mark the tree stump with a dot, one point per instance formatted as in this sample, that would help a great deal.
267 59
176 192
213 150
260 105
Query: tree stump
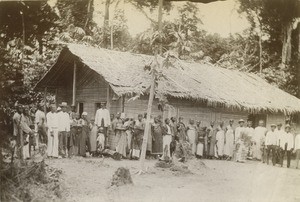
121 177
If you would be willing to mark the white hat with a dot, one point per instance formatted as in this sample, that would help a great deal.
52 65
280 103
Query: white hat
58 108
84 113
241 120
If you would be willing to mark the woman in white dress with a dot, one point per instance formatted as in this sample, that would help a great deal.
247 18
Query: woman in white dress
220 137
191 133
229 141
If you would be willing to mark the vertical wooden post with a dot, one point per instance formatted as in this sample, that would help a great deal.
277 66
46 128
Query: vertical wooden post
147 127
45 100
56 95
123 103
108 97
152 91
160 15
74 84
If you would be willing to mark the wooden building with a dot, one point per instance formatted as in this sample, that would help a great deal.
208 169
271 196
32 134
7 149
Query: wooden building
85 76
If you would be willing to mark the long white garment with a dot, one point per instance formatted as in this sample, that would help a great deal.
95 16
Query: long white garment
200 148
297 142
52 123
220 137
63 121
238 132
191 133
102 114
289 141
167 141
250 132
39 119
100 141
229 145
271 138
259 138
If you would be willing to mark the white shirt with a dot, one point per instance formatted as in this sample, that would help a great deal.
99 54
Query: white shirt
297 142
16 121
238 132
39 119
63 121
52 121
290 141
279 135
250 131
102 114
271 138
287 138
259 134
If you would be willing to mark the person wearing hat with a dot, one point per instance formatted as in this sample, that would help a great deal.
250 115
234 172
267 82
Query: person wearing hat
270 144
229 140
258 140
286 145
63 129
102 118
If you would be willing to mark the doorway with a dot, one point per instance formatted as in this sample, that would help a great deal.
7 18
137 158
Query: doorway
255 118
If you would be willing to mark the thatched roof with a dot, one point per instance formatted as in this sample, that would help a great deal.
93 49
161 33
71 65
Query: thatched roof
202 82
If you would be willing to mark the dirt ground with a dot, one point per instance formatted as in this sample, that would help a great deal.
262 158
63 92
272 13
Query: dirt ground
88 179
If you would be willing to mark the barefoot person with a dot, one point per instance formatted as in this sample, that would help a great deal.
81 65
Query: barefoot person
229 139
220 139
52 123
258 139
297 149
287 145
191 134
63 128
270 143
167 138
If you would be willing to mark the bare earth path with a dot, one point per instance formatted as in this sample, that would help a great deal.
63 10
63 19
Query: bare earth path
87 179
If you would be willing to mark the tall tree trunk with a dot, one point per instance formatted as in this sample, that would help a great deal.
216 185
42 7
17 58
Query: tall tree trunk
89 14
298 59
40 42
152 91
106 24
287 44
260 52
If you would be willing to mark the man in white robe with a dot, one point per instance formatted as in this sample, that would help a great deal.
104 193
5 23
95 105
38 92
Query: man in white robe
52 124
102 119
259 139
220 137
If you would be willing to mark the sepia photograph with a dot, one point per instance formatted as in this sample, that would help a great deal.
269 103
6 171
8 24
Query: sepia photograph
149 100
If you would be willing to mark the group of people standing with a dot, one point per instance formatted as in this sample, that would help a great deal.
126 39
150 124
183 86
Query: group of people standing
245 142
68 133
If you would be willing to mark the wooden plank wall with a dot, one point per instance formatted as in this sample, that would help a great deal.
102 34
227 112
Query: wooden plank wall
275 118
